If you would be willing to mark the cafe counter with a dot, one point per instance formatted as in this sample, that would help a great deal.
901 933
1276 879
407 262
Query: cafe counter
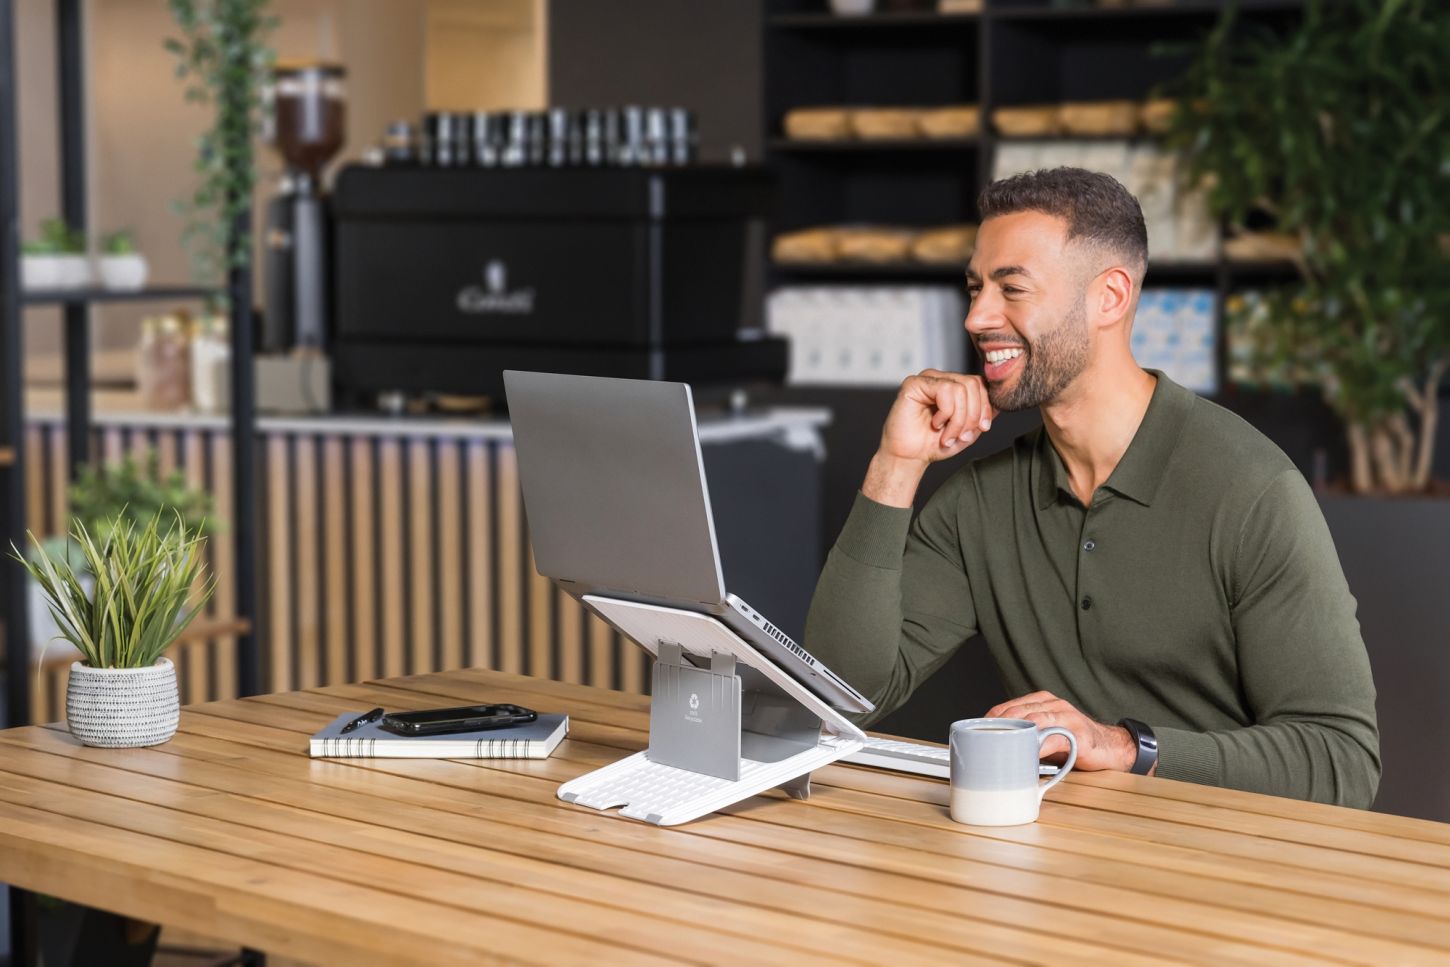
394 546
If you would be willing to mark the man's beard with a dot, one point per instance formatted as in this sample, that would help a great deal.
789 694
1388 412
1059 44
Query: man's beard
1048 366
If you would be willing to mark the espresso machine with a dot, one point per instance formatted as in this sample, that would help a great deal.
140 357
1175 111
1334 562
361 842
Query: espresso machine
307 127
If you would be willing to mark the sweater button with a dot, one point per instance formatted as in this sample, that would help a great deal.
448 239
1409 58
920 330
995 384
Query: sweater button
1089 545
1087 602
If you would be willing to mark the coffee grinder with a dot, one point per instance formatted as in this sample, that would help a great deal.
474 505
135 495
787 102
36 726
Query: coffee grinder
307 129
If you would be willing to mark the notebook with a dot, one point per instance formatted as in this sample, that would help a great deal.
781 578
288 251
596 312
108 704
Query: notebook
534 740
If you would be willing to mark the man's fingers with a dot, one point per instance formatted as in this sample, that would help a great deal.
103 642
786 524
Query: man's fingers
962 411
1028 699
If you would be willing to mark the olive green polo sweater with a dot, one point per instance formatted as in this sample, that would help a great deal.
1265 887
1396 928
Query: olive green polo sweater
1199 592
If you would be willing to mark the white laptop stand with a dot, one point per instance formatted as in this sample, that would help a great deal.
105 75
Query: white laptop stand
722 729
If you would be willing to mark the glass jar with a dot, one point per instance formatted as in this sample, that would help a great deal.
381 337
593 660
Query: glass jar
163 363
211 363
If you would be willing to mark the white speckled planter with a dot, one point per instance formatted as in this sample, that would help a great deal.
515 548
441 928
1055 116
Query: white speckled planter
121 708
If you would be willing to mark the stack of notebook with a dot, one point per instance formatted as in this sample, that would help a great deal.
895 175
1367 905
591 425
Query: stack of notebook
533 740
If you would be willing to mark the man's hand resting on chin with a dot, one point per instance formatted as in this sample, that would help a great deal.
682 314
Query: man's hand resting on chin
1099 746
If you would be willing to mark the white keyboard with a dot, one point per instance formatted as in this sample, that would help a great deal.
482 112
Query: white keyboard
916 757
665 795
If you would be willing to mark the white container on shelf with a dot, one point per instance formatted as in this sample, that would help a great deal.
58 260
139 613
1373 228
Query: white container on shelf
852 8
40 272
123 273
74 271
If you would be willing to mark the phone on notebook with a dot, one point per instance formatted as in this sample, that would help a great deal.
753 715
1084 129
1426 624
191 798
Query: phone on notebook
466 718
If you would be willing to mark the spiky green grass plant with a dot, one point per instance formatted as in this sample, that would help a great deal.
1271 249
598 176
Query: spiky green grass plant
149 585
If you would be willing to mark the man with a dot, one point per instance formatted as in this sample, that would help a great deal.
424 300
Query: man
1147 569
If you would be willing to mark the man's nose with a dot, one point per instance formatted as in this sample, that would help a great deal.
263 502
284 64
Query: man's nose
985 315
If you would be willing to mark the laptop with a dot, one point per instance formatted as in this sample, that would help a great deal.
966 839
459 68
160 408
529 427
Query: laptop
614 490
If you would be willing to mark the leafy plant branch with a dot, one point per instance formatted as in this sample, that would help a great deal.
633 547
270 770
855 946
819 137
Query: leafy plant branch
224 61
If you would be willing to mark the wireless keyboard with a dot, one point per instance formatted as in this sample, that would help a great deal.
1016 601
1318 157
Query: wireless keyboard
916 757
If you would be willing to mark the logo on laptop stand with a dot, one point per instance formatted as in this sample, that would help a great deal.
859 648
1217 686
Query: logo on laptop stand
494 297
693 715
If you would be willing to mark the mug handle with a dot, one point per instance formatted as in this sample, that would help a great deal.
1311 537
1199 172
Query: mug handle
1066 766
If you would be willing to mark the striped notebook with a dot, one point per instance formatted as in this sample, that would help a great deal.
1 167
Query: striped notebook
534 740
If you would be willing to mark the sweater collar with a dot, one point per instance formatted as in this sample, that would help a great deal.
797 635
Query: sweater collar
1143 465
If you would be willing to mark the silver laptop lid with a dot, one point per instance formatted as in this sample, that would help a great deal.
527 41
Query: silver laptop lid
609 502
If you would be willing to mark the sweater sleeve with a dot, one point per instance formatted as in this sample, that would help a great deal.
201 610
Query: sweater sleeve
1303 667
893 602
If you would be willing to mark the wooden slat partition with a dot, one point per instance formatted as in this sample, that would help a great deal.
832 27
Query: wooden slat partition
379 555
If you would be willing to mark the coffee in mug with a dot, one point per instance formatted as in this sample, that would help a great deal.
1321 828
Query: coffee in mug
994 770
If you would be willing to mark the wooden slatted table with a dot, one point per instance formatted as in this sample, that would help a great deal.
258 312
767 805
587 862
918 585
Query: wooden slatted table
230 830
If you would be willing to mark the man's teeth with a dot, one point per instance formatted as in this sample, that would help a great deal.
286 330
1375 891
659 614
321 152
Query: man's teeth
1002 355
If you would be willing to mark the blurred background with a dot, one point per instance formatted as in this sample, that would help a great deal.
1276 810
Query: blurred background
278 254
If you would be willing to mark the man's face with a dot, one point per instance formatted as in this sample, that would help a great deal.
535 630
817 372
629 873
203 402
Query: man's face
1028 316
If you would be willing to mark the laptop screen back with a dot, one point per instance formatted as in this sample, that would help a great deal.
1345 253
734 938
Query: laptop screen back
613 484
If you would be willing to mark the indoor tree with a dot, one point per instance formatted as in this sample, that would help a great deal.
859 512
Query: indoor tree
1337 129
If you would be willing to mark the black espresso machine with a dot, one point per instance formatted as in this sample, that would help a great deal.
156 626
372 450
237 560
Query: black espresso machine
445 277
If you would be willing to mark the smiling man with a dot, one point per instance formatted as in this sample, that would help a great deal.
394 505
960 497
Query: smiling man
1147 569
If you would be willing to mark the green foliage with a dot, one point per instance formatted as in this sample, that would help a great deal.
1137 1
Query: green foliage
119 243
224 61
142 599
1339 131
129 492
56 238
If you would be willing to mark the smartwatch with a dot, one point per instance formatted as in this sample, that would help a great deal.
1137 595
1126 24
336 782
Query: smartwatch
1146 742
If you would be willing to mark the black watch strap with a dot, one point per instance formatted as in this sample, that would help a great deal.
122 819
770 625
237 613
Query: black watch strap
1146 742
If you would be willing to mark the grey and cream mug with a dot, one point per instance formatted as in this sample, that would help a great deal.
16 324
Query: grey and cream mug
994 770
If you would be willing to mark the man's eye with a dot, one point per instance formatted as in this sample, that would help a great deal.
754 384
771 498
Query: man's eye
1011 289
973 291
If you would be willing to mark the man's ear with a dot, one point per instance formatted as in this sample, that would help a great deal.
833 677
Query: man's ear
1112 295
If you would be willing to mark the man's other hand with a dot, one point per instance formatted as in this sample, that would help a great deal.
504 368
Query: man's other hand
1099 746
936 415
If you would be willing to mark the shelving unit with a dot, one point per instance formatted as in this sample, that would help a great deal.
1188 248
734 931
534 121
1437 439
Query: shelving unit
80 297
75 305
1015 52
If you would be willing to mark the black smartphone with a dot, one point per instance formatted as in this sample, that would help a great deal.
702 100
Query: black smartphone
466 718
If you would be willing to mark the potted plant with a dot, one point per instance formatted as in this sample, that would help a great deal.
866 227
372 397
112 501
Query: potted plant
122 267
39 265
56 260
145 581
127 490
1336 129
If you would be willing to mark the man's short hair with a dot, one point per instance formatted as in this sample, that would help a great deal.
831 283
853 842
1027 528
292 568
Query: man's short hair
1095 206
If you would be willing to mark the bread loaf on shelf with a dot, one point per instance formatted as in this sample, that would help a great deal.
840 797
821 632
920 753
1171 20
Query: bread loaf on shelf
956 121
876 245
1026 121
809 245
818 123
948 245
1156 115
1102 118
1262 247
879 123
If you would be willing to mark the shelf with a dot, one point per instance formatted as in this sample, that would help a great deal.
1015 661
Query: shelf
1159 273
1086 138
1183 9
155 293
869 272
806 145
831 21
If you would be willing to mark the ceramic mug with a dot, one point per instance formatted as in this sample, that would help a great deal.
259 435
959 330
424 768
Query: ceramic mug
994 770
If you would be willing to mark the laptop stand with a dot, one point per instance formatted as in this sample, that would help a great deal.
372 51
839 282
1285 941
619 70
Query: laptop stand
726 723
